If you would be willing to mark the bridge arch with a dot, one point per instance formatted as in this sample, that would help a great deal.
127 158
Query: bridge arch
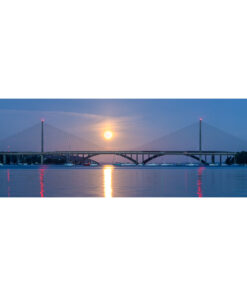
165 154
118 154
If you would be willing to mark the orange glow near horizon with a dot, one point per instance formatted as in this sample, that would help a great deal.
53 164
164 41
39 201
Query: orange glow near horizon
108 181
108 135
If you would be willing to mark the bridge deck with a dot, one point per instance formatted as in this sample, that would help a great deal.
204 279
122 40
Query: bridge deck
171 152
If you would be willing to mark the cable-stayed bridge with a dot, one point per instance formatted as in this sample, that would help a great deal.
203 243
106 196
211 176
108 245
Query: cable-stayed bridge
42 141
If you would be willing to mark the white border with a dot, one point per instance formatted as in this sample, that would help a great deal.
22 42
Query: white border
130 49
123 247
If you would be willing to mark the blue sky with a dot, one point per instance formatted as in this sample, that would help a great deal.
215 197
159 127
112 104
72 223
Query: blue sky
138 121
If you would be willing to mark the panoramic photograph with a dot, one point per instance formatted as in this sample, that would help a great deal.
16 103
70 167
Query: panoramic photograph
123 148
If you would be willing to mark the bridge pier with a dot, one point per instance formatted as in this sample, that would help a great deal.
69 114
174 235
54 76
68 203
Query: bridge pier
213 158
42 159
220 159
4 159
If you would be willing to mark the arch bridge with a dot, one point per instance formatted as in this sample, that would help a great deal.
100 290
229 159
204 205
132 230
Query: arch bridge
136 157
143 157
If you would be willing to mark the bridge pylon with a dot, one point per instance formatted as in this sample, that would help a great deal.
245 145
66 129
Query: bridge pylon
200 139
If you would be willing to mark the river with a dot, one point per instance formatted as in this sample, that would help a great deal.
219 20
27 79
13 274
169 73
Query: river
109 181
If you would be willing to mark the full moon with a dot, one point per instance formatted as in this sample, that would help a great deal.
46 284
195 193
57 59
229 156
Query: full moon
108 135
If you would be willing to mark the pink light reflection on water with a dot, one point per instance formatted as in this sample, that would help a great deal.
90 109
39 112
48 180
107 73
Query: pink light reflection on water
41 179
199 181
8 178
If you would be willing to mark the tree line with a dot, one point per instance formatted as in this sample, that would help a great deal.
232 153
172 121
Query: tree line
239 158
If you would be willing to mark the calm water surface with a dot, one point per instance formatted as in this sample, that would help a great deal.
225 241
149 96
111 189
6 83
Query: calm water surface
109 181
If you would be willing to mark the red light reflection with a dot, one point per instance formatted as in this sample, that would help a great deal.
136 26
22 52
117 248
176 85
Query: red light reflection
199 181
8 178
41 179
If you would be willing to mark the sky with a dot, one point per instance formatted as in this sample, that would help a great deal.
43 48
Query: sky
134 121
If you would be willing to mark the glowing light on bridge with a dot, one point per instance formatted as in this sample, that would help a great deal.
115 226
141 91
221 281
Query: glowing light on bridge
108 181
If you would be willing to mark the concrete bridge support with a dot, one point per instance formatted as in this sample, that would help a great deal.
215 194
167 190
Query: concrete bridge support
213 159
41 159
4 159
